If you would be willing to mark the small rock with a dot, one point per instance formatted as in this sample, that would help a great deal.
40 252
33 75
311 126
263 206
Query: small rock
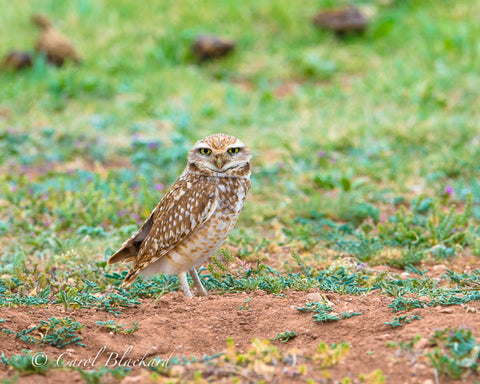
385 336
440 268
424 298
17 60
133 379
319 298
469 309
342 21
446 310
314 296
422 343
162 350
428 381
417 312
207 47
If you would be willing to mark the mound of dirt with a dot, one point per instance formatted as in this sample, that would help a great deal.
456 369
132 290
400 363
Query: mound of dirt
176 326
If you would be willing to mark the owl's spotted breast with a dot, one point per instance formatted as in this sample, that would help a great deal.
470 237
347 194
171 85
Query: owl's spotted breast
232 193
202 243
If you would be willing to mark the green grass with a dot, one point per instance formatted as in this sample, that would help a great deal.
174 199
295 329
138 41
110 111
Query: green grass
366 149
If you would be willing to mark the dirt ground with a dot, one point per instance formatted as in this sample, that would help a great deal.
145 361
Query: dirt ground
177 326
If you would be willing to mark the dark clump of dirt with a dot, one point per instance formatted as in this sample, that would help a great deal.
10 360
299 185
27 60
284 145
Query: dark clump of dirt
342 21
176 326
17 60
51 42
208 47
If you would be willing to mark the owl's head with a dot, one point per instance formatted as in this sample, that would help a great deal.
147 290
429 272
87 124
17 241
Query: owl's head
220 155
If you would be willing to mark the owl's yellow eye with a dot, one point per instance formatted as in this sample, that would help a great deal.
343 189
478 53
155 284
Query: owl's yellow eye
205 151
232 151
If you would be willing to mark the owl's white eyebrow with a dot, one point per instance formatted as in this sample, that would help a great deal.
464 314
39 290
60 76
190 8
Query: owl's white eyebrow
200 146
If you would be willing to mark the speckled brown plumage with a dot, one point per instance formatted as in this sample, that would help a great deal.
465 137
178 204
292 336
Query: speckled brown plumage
195 216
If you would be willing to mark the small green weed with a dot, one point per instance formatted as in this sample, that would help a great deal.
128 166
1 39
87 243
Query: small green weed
118 328
399 321
95 376
26 364
321 311
456 352
427 224
285 336
374 377
328 356
245 306
349 314
55 332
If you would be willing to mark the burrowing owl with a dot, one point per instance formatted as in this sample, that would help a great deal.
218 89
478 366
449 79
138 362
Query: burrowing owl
195 216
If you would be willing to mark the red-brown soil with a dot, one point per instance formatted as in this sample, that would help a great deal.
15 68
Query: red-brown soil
175 325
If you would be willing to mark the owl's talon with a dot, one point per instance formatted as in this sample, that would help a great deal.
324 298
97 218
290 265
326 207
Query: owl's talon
198 283
202 291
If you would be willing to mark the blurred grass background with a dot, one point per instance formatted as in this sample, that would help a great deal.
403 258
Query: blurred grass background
341 128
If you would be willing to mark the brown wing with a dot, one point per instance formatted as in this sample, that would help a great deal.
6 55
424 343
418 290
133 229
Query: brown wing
186 206
130 248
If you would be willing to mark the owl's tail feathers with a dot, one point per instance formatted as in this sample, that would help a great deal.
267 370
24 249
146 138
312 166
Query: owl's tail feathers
131 247
126 253
131 277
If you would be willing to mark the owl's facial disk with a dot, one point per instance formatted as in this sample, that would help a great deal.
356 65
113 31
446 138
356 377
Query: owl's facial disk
219 153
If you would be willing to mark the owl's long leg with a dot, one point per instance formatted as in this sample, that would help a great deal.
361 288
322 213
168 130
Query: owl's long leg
198 282
184 282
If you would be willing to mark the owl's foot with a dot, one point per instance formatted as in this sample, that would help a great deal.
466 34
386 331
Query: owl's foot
198 283
184 282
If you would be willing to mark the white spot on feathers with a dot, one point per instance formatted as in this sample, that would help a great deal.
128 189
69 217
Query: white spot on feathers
181 192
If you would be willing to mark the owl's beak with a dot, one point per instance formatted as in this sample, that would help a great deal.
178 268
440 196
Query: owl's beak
219 163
